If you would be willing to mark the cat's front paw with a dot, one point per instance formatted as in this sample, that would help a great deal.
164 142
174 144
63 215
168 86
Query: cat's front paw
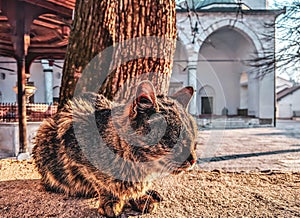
147 203
155 195
112 208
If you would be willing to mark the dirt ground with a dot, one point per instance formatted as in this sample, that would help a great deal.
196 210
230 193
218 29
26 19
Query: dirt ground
193 194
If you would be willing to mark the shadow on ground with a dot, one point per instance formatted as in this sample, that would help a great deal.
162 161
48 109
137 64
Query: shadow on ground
245 155
27 198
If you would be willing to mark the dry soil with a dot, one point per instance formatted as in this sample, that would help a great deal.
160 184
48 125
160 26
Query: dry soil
193 194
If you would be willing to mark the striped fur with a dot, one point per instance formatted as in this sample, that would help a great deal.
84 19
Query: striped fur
94 148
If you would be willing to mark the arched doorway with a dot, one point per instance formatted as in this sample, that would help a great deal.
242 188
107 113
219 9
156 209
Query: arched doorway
207 97
223 54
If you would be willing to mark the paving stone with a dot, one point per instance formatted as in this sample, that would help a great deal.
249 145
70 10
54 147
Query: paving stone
251 149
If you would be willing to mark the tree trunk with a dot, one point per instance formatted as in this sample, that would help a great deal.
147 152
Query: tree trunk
114 44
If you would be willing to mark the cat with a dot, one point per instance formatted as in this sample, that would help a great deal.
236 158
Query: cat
94 147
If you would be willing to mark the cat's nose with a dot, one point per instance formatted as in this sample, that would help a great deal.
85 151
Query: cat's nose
192 159
192 162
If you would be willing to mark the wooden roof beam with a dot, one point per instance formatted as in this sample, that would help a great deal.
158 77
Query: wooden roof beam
51 20
6 47
66 3
4 41
45 24
3 18
55 8
49 46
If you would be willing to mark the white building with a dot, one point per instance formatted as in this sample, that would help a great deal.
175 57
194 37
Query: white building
288 99
211 57
282 84
288 103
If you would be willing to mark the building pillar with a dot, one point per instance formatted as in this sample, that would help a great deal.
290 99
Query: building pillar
48 73
266 98
253 94
192 79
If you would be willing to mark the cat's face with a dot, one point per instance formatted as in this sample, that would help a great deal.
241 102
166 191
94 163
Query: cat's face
167 131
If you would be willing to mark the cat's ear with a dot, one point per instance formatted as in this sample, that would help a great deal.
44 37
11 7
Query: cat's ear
146 96
184 96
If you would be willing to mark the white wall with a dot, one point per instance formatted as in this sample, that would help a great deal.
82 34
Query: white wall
180 69
207 76
57 77
253 95
288 104
37 76
296 100
6 86
267 97
285 110
9 138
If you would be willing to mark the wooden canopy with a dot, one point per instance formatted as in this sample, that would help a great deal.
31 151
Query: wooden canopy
32 29
43 25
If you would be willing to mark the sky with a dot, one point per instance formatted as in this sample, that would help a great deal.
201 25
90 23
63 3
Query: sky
292 73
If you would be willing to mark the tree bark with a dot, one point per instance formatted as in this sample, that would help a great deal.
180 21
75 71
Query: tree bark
122 42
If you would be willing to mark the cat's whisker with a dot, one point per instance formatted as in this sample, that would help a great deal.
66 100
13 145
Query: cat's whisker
168 166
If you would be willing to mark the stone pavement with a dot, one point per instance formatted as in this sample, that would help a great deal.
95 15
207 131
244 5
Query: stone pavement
253 149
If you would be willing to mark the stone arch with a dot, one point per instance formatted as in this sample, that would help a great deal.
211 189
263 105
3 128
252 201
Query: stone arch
207 90
222 54
239 26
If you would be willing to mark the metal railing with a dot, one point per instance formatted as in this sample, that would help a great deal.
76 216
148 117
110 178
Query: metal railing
34 112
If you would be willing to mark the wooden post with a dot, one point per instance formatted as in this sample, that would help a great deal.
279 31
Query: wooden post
20 23
19 44
23 147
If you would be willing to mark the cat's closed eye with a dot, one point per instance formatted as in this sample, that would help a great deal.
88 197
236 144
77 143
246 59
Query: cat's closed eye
143 100
195 146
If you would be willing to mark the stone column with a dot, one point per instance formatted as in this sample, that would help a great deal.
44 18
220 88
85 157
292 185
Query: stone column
253 95
192 78
48 72
266 97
